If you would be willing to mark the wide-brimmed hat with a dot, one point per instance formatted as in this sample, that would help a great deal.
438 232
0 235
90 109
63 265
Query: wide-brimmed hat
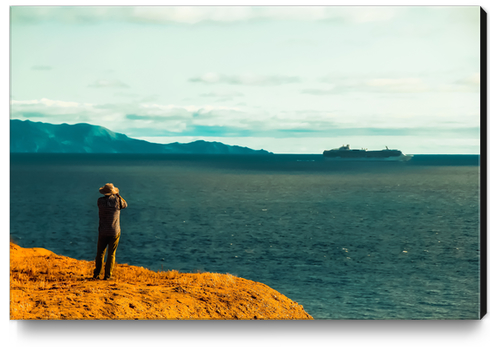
108 189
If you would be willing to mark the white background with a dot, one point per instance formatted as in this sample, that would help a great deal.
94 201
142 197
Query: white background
211 333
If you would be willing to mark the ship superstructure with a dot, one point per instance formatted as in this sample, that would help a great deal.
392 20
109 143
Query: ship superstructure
345 152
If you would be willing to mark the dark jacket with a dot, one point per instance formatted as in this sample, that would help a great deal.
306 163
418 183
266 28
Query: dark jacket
109 210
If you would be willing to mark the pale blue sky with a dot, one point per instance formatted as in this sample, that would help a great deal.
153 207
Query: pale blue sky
285 79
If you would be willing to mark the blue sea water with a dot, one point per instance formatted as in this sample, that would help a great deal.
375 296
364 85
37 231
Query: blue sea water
347 240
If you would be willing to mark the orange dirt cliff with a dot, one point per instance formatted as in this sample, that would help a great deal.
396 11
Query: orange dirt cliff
44 285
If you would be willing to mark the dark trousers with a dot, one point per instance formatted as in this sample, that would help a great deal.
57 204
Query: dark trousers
110 243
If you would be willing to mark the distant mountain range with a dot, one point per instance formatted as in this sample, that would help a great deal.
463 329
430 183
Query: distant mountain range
38 137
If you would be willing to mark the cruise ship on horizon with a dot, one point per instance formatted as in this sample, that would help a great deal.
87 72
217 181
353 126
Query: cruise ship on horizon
346 153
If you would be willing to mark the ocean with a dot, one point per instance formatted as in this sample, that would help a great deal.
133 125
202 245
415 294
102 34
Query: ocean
347 240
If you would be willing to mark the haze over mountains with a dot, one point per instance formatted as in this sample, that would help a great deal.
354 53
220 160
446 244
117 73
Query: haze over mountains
37 137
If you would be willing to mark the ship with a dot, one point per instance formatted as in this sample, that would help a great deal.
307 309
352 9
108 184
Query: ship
346 153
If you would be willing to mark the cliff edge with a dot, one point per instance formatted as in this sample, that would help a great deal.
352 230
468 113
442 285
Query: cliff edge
44 285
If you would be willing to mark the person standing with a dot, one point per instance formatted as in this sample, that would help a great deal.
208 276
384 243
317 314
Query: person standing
110 206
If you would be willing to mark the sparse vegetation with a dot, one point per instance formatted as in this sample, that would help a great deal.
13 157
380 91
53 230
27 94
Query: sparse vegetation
44 285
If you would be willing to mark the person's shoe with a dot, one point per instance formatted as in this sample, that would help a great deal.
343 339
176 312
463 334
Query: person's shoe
107 278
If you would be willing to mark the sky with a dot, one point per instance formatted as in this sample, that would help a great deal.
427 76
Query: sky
287 79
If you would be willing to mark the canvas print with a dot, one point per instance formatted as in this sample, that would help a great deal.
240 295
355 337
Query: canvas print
245 162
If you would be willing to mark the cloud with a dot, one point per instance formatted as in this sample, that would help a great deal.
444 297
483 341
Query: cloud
221 94
30 115
128 118
157 120
368 14
153 119
53 111
41 67
126 95
473 79
108 84
193 116
245 79
53 104
469 83
337 83
344 84
318 91
396 85
188 108
191 15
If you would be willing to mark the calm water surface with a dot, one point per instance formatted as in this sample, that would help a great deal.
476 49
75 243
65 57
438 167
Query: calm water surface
347 240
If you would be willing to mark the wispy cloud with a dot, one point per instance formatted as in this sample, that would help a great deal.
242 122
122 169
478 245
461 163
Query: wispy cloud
53 111
473 79
397 85
127 95
41 68
363 14
53 104
153 119
221 94
108 84
316 91
469 83
384 85
245 79
200 14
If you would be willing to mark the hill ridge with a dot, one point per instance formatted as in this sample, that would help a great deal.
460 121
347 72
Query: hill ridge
39 137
